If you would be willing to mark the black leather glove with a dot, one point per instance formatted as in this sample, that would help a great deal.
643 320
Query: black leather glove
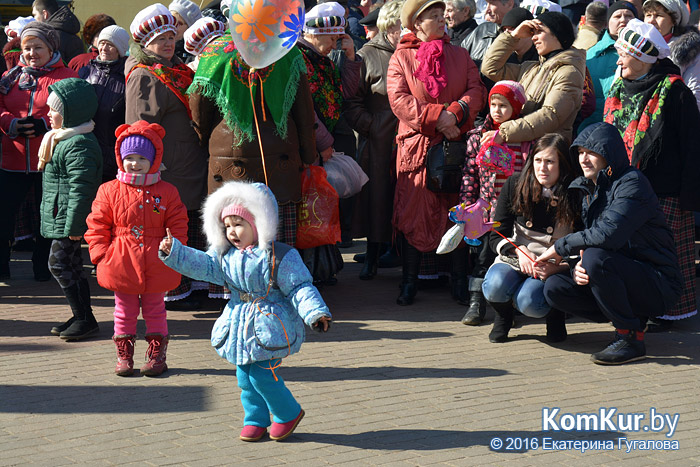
38 126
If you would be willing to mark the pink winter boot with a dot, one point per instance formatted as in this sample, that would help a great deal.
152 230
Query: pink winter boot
157 346
125 354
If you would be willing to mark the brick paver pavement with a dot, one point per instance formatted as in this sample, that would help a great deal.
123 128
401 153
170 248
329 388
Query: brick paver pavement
388 385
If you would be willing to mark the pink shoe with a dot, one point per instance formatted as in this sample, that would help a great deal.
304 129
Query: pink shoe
280 431
252 433
157 347
125 355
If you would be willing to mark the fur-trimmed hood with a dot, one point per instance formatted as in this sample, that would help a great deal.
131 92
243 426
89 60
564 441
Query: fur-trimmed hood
686 48
255 197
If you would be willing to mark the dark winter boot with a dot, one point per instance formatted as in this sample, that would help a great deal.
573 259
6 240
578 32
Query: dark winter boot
556 326
4 260
459 282
627 346
125 354
155 355
369 270
502 322
84 324
411 263
57 330
477 303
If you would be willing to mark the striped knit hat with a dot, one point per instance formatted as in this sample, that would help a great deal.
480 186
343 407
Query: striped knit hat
203 31
513 92
326 18
151 22
643 42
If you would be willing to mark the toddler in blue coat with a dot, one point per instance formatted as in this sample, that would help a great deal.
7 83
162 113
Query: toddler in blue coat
272 296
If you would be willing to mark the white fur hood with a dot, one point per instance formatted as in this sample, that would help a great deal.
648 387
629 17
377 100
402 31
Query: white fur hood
255 197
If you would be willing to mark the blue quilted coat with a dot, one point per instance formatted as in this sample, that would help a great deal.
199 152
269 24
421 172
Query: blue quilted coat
255 326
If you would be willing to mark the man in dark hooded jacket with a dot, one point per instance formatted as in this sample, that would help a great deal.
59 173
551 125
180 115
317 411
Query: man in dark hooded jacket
628 269
65 22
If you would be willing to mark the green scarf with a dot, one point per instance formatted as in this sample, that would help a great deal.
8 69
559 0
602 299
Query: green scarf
222 76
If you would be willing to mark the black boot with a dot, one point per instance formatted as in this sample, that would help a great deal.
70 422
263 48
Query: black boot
477 303
556 326
4 260
57 330
458 280
40 259
502 322
411 263
369 270
85 324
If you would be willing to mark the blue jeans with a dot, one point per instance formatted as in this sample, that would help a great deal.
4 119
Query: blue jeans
503 284
261 395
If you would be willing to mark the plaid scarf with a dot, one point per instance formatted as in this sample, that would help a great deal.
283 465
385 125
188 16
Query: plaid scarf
224 77
138 179
177 78
26 75
635 108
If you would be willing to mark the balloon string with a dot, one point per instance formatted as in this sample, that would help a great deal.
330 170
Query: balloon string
516 246
251 78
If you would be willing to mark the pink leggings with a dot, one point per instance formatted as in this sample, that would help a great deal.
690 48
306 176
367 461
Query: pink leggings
126 313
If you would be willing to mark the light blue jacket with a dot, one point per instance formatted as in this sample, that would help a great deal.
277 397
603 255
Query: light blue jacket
601 60
252 328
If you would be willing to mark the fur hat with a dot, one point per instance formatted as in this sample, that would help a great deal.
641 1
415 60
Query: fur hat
117 36
326 18
642 41
188 10
151 22
203 31
256 198
152 132
513 92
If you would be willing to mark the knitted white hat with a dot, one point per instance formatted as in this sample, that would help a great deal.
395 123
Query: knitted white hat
118 36
326 18
203 31
642 41
151 22
188 10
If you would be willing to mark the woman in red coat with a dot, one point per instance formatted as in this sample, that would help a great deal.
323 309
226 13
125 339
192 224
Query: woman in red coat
427 78
129 218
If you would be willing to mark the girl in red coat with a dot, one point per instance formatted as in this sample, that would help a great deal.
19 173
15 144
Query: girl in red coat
127 222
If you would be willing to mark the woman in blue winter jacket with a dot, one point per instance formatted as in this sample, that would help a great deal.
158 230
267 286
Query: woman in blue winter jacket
272 296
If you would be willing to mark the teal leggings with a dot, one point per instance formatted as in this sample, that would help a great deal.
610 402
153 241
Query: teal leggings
261 395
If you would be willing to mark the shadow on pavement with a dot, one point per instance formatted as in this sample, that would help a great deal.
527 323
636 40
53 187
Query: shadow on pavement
102 399
431 440
372 373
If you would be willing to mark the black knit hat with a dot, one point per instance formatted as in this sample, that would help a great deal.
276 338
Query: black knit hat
622 5
371 18
514 17
561 27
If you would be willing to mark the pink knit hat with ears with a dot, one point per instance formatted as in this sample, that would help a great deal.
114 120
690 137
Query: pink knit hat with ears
513 91
240 211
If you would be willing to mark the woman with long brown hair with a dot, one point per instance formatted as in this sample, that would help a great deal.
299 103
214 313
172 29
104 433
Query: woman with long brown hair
534 209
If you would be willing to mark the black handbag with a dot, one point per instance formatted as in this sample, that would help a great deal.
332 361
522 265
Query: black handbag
444 161
444 166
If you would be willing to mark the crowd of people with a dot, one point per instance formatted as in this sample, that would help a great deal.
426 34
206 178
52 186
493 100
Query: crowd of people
577 126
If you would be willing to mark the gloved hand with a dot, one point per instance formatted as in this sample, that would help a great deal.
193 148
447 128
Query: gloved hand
31 127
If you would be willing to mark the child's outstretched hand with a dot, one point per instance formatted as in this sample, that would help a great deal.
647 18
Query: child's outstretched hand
167 243
322 325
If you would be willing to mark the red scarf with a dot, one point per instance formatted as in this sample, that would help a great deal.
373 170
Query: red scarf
177 78
431 62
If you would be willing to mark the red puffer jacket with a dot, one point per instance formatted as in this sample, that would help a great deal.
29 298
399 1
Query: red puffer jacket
128 222
21 154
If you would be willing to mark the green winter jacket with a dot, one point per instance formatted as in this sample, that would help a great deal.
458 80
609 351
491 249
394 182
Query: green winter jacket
74 173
